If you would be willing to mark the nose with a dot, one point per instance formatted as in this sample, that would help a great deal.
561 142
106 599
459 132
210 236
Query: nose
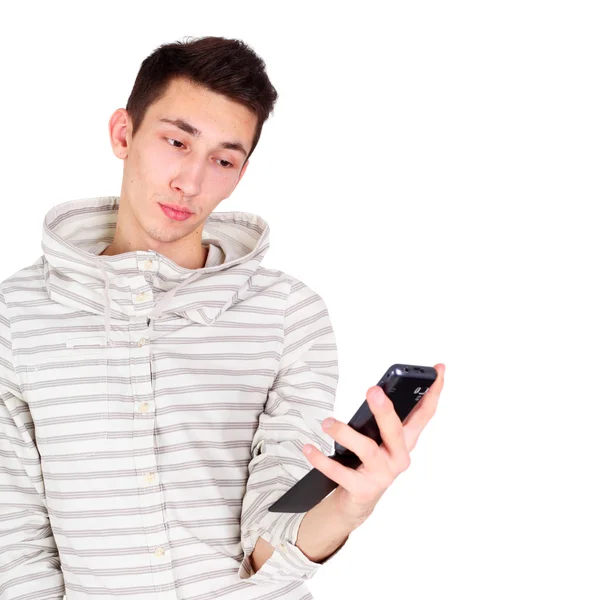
190 178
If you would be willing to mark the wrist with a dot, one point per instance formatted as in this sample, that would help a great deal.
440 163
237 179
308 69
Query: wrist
352 515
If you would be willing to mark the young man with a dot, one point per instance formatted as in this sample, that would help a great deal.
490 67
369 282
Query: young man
157 384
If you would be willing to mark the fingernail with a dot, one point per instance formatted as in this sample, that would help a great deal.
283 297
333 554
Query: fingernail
327 423
378 397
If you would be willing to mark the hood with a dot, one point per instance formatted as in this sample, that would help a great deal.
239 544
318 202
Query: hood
146 283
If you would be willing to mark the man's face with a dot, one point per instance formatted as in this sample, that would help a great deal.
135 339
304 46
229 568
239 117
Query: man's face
165 165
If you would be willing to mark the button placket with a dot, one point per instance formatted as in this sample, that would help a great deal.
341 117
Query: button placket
145 458
144 407
148 262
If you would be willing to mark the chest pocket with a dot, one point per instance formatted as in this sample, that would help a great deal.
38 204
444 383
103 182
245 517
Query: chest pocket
68 398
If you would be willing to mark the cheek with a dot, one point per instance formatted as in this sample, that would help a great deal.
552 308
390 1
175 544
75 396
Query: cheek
227 178
157 164
217 182
224 178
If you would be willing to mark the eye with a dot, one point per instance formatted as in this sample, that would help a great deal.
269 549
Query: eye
176 141
224 163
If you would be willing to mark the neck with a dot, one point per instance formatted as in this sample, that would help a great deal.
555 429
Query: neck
187 252
188 258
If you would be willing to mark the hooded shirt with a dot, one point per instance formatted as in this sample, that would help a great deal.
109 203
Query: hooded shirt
150 414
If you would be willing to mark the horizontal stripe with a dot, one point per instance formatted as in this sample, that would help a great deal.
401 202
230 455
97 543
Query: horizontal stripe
125 436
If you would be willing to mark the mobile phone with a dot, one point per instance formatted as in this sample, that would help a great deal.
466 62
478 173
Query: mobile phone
404 385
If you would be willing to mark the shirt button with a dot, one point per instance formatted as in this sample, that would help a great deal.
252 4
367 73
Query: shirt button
141 342
144 407
282 548
149 477
159 552
148 265
140 297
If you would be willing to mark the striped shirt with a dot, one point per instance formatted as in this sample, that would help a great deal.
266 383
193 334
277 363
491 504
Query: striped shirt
150 414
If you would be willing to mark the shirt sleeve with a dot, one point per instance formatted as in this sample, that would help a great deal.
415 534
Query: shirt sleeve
29 562
300 398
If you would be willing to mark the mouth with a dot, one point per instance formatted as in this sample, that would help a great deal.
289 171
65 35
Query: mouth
175 212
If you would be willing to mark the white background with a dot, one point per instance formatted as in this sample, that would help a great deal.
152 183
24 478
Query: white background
431 169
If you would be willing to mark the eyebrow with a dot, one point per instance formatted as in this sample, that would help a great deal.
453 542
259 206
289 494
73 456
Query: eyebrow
191 130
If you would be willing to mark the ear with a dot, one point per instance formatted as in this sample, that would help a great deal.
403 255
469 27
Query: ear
119 130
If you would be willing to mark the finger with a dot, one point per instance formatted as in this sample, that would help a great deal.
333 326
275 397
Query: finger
363 446
438 384
424 410
345 476
389 424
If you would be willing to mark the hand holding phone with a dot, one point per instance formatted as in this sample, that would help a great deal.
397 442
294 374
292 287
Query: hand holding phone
404 385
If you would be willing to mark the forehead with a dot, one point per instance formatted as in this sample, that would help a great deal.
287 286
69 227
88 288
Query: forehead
204 109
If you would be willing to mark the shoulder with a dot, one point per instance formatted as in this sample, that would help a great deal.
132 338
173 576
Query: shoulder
21 283
300 296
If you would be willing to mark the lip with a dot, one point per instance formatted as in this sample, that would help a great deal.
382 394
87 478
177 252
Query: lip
177 207
174 212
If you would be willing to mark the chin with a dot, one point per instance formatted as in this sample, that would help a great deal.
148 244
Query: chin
165 237
163 231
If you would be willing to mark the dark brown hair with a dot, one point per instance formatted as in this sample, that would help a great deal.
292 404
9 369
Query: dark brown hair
224 66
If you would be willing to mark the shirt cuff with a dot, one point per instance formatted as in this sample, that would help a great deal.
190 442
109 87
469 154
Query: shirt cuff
288 562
